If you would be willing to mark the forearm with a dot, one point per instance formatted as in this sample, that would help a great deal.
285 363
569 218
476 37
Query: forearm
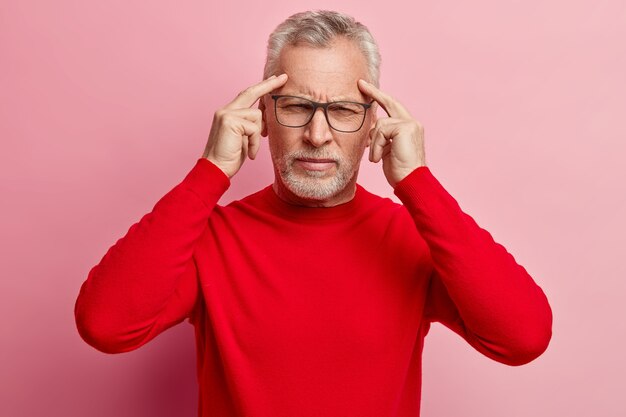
137 289
502 312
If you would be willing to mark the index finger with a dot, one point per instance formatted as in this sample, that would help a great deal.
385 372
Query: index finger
392 107
250 95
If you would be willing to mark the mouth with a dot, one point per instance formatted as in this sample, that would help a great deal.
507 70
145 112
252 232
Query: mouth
313 164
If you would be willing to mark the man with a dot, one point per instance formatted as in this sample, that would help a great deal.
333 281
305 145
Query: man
312 297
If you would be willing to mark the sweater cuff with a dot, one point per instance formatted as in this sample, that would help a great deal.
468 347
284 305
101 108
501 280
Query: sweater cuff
418 190
206 181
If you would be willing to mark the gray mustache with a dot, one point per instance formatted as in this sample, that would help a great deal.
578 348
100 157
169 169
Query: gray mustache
322 154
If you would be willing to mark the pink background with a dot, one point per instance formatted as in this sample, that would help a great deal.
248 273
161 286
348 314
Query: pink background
107 105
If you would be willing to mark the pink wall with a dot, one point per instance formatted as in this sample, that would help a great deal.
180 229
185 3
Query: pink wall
106 105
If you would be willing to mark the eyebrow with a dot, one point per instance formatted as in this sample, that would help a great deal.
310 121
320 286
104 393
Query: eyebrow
307 96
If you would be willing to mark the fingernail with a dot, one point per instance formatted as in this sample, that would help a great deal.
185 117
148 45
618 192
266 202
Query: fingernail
273 76
361 79
283 75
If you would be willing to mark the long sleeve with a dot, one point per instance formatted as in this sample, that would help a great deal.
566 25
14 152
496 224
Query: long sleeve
477 288
147 281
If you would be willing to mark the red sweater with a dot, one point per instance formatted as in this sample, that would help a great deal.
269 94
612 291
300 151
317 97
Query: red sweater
311 311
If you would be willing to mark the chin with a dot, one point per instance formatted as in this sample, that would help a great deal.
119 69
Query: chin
312 187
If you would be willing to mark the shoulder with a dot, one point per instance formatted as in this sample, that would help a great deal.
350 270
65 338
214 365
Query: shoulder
244 205
399 232
383 206
370 199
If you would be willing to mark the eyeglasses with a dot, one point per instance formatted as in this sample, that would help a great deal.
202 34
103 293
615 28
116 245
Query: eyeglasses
343 116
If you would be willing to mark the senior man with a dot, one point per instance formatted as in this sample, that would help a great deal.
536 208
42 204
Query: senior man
312 296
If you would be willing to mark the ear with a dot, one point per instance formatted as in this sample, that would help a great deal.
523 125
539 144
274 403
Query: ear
263 120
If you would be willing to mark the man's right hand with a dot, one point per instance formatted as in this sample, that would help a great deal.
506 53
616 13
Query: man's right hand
236 130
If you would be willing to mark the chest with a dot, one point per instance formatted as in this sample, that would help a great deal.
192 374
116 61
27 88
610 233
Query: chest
300 291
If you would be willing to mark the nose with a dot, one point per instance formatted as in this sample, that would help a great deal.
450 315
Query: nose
317 132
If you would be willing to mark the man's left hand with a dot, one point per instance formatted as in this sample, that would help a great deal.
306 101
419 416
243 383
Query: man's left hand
398 139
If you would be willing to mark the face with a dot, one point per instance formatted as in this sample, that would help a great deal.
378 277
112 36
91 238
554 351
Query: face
314 164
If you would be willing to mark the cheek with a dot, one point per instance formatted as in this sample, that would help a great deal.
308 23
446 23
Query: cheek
275 149
281 142
361 143
282 134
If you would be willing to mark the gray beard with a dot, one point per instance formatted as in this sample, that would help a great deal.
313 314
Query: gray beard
309 184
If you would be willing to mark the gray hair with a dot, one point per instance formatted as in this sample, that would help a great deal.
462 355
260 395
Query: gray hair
320 28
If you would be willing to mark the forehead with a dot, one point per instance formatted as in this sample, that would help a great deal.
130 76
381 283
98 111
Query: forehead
323 74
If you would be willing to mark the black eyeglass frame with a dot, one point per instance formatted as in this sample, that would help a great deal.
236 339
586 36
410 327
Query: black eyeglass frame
324 106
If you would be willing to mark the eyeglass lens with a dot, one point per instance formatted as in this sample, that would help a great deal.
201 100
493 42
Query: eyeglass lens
342 115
